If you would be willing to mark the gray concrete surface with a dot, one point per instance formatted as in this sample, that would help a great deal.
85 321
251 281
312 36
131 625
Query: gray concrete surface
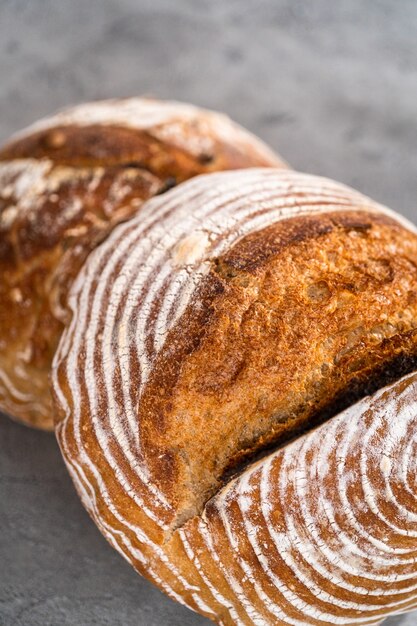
332 85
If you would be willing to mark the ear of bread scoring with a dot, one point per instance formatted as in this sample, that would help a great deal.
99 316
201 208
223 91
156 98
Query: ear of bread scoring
321 532
238 310
65 182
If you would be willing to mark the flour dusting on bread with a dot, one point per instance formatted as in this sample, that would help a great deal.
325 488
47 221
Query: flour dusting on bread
246 558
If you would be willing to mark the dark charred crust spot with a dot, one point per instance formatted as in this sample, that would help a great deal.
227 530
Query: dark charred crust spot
206 159
132 165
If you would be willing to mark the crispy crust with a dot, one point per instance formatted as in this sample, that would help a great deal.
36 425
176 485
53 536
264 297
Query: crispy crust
63 188
241 310
289 326
320 532
94 146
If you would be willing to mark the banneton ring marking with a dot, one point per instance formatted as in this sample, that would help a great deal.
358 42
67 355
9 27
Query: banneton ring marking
139 259
293 451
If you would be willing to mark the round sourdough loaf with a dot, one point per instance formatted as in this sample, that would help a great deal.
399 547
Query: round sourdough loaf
236 312
65 182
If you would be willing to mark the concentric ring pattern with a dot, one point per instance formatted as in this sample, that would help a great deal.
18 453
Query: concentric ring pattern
266 550
325 530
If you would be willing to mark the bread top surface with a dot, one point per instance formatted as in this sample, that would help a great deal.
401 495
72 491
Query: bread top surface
148 133
238 310
321 532
65 182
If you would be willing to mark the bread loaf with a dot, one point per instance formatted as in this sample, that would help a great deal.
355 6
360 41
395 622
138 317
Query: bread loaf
65 182
235 313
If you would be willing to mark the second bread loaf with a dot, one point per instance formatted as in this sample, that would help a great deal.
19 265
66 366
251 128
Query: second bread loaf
65 182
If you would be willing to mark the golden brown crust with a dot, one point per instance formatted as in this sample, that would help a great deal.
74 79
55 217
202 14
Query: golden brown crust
62 191
241 309
116 146
309 534
297 320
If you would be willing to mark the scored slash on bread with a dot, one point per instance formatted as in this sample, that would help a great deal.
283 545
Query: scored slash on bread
65 182
232 314
322 532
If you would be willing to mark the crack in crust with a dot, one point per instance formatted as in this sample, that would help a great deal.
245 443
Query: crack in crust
292 332
243 305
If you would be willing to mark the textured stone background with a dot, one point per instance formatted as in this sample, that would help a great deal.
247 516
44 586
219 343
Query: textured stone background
332 85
